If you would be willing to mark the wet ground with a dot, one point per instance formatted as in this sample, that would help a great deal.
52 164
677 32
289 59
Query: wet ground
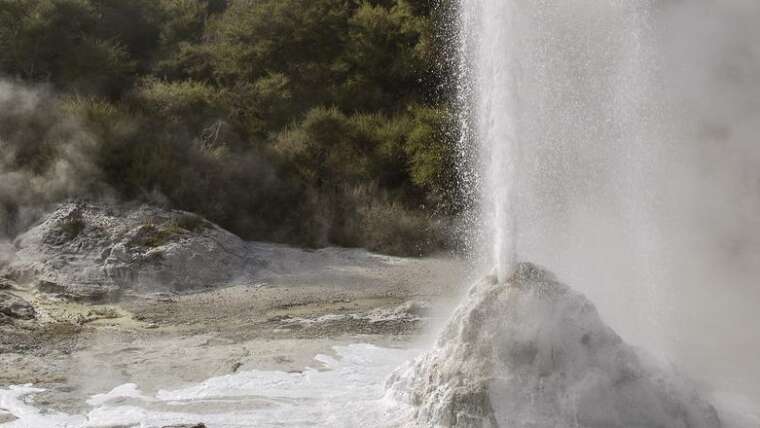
75 351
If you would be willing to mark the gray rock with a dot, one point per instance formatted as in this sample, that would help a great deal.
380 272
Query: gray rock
77 291
92 252
15 307
50 287
7 284
6 418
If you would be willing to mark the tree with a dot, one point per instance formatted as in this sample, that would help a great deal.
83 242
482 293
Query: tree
55 41
383 58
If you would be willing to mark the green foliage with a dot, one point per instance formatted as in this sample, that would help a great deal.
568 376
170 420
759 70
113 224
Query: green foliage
327 148
58 41
247 43
178 55
135 24
313 122
191 222
181 102
152 236
384 57
415 149
431 148
405 160
262 106
370 218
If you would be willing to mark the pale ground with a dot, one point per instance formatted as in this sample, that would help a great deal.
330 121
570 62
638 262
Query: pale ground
161 341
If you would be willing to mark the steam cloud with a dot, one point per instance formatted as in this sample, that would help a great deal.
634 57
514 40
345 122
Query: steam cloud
639 180
44 156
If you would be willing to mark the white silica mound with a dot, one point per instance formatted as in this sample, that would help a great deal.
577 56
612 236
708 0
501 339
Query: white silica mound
531 352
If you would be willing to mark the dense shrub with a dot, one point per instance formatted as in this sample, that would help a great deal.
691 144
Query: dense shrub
310 122
373 220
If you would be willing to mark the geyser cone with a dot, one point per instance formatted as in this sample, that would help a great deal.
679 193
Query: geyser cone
531 352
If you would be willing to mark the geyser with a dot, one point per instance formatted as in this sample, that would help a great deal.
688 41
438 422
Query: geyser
561 107
494 125
617 146
583 159
563 113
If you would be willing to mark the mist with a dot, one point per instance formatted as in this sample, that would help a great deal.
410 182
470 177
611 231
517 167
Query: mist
638 179
45 157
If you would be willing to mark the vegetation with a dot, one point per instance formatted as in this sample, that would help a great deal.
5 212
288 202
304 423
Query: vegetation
151 236
190 223
310 122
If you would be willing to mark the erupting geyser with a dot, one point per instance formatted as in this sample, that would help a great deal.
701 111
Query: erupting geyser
493 93
524 350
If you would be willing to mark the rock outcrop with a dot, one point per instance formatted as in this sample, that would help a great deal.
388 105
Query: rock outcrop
85 251
533 353
15 307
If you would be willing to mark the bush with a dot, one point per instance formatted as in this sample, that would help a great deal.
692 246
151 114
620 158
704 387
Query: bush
59 41
369 218
310 122
385 57
151 236
186 103
191 223
326 149
431 148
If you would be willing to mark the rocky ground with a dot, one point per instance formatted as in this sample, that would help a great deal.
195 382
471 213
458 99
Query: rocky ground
94 297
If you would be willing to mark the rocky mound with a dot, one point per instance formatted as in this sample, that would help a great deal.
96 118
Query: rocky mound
14 307
93 251
533 353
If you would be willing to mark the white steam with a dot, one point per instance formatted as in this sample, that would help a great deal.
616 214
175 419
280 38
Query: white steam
637 177
44 155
